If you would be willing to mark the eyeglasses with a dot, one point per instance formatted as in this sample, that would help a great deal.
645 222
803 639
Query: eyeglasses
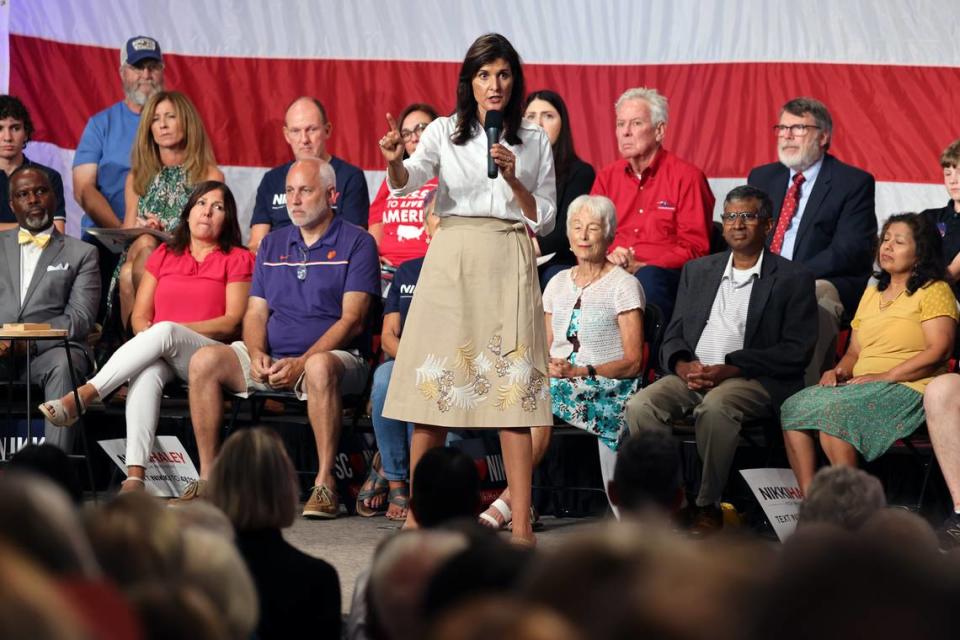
748 217
302 267
798 130
406 134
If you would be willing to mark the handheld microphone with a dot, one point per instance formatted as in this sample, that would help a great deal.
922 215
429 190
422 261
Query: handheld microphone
493 125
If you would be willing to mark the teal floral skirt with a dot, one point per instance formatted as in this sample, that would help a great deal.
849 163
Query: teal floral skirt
592 404
870 416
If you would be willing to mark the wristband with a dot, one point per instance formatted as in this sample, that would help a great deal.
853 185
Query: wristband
591 371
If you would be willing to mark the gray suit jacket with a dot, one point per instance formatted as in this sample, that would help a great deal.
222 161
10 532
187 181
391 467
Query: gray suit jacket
64 291
781 327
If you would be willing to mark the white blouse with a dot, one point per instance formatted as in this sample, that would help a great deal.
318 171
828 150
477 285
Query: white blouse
600 304
464 188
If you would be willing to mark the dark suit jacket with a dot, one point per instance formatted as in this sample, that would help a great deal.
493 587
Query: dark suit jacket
64 291
781 321
299 594
578 183
838 230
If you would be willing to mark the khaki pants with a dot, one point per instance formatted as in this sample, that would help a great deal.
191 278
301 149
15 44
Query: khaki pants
717 414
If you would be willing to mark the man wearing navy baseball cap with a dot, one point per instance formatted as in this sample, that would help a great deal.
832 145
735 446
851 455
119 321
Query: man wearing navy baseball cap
102 160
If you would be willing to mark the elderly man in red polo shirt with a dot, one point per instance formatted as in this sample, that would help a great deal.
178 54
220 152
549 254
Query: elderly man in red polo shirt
664 204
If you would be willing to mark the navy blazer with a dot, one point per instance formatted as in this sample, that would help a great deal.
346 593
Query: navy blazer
781 325
838 230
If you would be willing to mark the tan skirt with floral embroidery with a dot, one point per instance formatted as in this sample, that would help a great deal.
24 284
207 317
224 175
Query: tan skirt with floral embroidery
473 353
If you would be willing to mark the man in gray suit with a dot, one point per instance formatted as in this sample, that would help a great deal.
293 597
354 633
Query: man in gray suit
45 277
742 332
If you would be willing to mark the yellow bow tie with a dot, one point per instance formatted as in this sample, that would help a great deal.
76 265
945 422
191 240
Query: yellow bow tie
23 237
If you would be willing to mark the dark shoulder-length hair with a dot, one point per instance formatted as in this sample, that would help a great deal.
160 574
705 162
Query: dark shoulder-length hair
423 107
230 232
484 50
930 265
564 154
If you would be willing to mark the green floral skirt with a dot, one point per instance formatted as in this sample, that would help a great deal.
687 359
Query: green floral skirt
870 416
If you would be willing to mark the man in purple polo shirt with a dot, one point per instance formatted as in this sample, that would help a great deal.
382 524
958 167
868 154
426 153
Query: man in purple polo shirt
303 330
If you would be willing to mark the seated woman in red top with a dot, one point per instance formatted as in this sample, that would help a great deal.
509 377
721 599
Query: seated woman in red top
193 293
397 223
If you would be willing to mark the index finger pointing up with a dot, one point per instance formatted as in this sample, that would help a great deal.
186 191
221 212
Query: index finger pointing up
392 122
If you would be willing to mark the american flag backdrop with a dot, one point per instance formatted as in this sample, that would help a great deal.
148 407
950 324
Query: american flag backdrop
888 70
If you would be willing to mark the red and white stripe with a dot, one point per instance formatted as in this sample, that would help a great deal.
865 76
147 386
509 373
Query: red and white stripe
889 72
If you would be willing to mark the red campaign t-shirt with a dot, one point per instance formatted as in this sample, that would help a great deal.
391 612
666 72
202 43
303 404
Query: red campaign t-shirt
191 291
404 237
666 214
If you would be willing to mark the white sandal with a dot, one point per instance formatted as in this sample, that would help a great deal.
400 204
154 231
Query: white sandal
141 487
503 509
56 412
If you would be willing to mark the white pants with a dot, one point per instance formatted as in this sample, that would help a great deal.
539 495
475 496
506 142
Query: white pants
149 361
608 462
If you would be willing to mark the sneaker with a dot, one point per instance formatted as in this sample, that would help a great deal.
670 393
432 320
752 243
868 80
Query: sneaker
322 503
949 532
196 490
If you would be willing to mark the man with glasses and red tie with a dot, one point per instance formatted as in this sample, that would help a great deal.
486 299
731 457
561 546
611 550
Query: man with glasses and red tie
304 329
736 346
824 218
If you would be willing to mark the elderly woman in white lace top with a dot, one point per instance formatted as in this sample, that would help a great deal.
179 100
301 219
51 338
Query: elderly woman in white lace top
594 315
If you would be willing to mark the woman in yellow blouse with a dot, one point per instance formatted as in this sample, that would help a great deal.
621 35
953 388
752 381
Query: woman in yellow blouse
903 334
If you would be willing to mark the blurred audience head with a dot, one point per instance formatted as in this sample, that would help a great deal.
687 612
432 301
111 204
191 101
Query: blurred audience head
446 486
489 568
53 463
253 481
141 69
647 476
32 606
201 514
39 520
213 565
835 584
399 576
176 611
624 580
843 496
137 540
501 617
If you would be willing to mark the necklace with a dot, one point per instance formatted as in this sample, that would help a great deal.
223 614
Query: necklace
884 302
576 278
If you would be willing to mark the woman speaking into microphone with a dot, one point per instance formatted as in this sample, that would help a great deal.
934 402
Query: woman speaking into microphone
474 352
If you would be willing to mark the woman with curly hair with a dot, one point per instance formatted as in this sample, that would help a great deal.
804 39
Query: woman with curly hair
903 334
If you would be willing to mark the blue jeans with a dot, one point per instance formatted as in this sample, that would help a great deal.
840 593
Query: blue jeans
393 436
660 287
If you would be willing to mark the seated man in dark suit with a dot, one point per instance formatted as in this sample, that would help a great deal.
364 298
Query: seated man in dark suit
824 218
49 278
743 331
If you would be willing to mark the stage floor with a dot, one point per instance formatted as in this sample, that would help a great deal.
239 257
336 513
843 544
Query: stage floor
348 542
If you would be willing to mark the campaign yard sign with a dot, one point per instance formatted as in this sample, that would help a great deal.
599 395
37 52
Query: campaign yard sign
779 496
169 469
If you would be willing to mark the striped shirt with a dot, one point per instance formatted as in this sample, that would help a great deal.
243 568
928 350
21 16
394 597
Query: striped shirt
728 315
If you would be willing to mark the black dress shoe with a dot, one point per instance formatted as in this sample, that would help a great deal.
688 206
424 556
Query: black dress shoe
706 521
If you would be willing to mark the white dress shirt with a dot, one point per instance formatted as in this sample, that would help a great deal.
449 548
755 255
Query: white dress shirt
727 324
809 179
29 257
464 188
